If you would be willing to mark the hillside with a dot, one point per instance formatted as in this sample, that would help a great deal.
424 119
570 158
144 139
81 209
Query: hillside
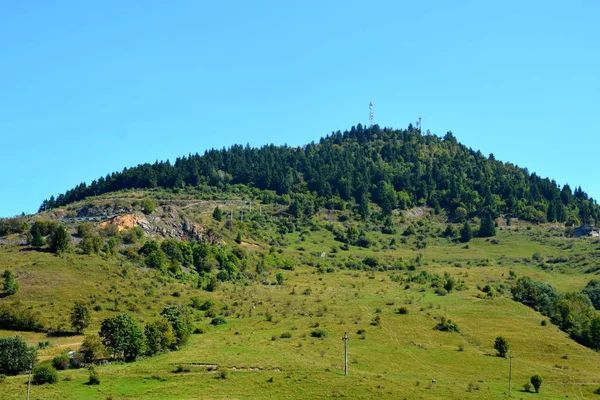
421 249
393 168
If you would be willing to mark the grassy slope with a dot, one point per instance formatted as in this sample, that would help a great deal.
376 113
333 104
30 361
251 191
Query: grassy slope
397 359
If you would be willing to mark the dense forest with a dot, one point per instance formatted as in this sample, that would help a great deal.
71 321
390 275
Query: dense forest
395 169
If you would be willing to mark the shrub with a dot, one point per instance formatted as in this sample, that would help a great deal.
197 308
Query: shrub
93 349
148 206
61 362
285 335
501 346
94 378
319 333
446 325
402 310
181 368
44 373
16 317
2 378
218 321
536 381
10 286
527 387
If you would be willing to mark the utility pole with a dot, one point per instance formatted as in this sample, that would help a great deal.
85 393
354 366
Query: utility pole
29 381
509 374
345 339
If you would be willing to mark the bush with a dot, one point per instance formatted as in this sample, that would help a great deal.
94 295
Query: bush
94 378
15 317
44 373
446 325
93 349
527 387
536 381
501 346
402 310
61 362
319 333
285 335
218 321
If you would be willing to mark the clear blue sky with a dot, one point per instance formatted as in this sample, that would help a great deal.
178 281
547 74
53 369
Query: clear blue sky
87 88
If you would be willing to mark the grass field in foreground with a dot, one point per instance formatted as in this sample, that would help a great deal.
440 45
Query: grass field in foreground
398 358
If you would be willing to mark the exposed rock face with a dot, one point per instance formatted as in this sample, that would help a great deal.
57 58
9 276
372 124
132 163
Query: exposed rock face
168 222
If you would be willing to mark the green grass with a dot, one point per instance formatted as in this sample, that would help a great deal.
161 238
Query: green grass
397 359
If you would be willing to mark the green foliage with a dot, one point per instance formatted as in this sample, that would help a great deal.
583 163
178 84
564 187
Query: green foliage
94 379
157 260
501 346
13 225
80 316
159 336
16 317
466 232
280 278
319 333
218 321
15 355
592 290
61 362
122 336
536 381
10 285
84 229
91 243
446 325
59 239
392 168
487 228
180 321
93 348
217 214
172 250
148 206
44 373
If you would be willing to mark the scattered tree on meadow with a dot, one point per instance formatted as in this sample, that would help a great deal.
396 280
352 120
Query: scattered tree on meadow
487 227
80 316
466 232
15 355
501 346
180 320
59 239
159 336
536 381
218 214
10 285
122 336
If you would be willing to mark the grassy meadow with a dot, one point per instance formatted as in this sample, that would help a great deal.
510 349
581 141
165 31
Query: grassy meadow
267 349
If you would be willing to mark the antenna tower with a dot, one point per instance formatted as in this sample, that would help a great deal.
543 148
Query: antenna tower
419 125
371 114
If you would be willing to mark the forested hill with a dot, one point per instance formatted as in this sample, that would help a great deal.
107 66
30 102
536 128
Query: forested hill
392 168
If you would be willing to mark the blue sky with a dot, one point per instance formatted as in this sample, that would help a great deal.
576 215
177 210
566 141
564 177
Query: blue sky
87 88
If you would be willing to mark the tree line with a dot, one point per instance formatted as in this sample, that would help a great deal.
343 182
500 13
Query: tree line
395 169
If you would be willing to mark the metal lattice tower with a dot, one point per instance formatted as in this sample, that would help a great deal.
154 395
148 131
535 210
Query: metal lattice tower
371 114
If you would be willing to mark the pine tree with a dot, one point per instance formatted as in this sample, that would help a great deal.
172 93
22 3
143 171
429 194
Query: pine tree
59 239
466 232
10 285
487 228
218 214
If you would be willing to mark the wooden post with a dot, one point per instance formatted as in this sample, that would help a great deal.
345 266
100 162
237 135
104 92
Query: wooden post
29 381
345 339
510 374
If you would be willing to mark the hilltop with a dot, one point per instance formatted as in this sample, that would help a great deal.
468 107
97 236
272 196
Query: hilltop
423 250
